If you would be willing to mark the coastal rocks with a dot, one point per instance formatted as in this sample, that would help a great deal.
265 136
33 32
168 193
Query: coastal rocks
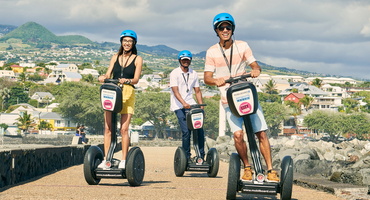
346 162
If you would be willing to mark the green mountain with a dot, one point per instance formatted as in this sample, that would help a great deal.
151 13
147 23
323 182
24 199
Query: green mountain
33 34
4 29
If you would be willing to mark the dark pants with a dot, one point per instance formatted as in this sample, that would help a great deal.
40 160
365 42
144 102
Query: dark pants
181 116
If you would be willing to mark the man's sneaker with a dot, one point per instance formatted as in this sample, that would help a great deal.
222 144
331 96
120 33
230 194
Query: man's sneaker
272 176
103 165
122 164
248 174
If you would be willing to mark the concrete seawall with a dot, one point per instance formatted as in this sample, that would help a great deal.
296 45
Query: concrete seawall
25 158
23 164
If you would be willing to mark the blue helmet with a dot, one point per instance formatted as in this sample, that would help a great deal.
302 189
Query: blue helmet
222 17
129 33
185 54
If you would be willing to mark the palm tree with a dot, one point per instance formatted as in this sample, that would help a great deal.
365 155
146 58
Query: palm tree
270 87
4 94
22 77
317 82
306 101
24 121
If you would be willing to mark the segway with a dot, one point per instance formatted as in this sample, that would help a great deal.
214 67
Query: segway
111 100
243 101
195 120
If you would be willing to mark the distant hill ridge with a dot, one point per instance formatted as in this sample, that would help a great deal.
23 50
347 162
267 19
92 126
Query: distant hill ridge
35 34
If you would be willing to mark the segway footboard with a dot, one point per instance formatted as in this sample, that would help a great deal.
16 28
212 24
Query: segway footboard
260 188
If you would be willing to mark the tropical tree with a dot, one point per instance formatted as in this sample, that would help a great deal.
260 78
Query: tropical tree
88 78
4 95
154 107
96 63
44 125
350 105
24 121
274 114
146 70
295 110
270 87
306 101
264 97
211 118
317 82
101 70
17 95
3 126
80 102
23 77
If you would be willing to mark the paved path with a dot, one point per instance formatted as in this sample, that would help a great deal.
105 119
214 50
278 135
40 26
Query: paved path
159 182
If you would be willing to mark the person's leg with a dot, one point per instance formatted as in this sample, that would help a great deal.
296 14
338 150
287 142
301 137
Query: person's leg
260 126
181 116
265 148
107 131
236 126
125 123
201 142
107 136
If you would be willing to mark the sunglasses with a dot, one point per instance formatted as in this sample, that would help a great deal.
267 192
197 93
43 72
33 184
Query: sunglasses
128 41
221 28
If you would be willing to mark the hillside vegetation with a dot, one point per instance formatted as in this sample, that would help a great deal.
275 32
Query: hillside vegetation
33 33
33 37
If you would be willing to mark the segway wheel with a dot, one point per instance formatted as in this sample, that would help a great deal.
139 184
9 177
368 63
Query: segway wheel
286 182
214 161
180 161
135 167
233 176
93 157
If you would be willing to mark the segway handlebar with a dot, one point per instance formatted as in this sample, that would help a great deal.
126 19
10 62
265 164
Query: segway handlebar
116 81
237 78
197 105
108 80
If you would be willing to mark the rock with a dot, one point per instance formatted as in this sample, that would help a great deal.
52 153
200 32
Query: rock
210 142
223 139
346 162
302 157
367 147
313 167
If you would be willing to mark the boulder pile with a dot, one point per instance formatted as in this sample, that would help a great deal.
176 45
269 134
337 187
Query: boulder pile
345 162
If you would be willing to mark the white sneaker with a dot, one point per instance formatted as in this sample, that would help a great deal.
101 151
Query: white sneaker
103 165
122 164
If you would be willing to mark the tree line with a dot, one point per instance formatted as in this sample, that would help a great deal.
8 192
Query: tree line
80 102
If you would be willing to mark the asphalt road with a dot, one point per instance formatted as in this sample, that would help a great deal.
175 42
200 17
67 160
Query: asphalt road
159 182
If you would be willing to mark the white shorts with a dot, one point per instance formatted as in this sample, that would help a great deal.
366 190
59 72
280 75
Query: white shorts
236 123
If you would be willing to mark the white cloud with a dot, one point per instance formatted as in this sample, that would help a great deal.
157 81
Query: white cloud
332 32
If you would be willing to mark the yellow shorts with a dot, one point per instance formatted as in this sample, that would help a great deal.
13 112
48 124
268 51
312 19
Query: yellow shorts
128 99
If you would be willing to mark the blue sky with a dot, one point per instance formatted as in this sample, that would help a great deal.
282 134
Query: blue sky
327 36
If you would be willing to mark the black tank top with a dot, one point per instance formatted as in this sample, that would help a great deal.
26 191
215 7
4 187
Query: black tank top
124 72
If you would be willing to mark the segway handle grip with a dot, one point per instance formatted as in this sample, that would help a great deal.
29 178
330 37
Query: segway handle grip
197 105
108 80
237 78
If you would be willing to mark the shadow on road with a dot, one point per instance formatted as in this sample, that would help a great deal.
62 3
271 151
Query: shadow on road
144 183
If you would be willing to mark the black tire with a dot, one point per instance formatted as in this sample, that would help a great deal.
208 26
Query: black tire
233 176
135 167
286 182
130 152
214 161
93 157
180 161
